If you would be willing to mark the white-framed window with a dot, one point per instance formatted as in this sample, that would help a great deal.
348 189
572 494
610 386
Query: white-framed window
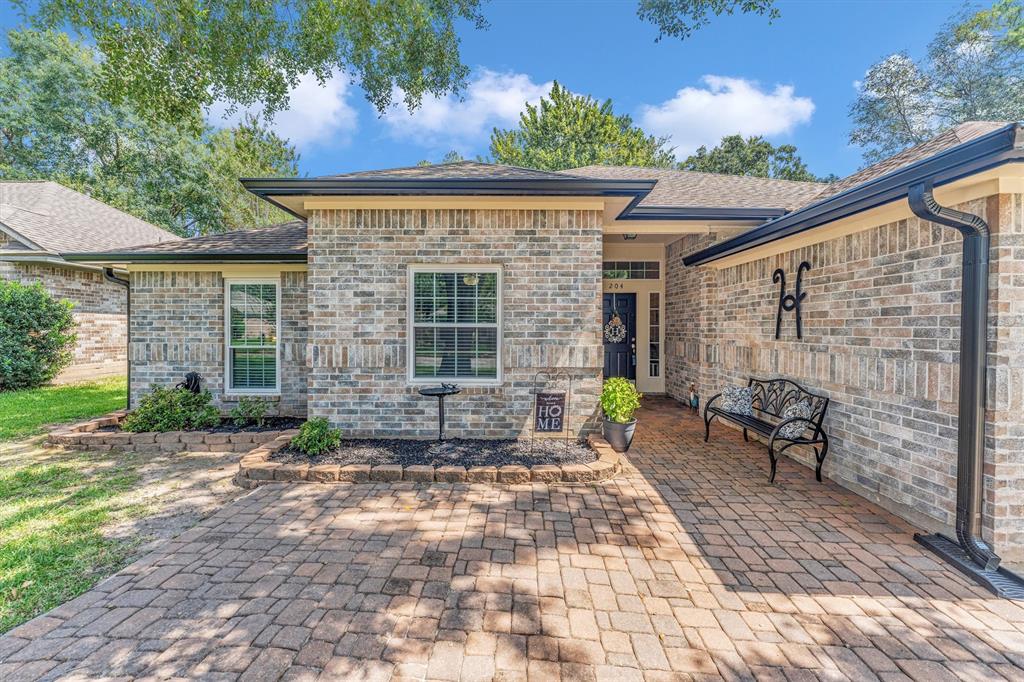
252 326
455 324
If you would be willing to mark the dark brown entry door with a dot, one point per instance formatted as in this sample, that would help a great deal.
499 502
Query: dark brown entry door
619 348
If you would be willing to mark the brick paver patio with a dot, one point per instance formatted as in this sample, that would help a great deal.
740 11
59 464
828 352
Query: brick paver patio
689 565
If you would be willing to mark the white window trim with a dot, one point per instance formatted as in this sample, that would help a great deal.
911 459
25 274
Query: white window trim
410 357
276 391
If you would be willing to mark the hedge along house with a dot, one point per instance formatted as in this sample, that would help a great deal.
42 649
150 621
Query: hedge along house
485 275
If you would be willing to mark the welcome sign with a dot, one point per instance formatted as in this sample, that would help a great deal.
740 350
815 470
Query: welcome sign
549 413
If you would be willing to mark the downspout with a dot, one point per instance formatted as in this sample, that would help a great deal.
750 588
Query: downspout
973 368
108 274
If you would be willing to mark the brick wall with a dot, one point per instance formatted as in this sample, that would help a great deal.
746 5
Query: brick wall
178 327
99 314
358 268
881 337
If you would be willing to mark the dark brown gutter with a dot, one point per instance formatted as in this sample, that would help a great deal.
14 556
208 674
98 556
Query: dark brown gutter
982 564
108 274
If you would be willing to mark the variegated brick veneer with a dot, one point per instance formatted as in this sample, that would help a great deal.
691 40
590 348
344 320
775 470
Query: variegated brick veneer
881 336
358 270
178 327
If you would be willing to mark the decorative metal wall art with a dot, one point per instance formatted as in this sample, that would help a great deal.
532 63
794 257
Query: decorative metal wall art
790 302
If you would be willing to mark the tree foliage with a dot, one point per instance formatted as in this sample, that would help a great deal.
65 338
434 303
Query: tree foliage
172 58
567 131
452 156
36 335
681 18
973 70
753 156
56 124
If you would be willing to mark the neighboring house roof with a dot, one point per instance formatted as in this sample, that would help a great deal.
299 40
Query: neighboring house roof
680 188
53 218
282 242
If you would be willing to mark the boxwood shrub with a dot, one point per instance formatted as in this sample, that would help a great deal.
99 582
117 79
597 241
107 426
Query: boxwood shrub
173 409
36 335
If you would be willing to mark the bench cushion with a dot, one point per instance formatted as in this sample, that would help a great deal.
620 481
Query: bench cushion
796 429
738 400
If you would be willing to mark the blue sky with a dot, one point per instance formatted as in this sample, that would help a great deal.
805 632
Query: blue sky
792 80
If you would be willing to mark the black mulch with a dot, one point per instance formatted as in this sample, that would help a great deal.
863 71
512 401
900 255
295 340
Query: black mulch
455 452
228 426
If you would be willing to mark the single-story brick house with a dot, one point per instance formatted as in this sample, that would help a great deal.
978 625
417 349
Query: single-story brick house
485 275
40 220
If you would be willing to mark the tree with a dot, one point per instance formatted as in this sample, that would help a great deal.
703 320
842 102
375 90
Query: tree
250 149
567 131
451 157
171 59
754 156
680 18
56 125
973 70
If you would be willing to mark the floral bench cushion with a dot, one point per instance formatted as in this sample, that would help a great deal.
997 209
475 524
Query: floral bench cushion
738 400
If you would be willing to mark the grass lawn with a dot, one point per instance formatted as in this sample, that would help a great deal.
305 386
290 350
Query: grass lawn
25 413
51 515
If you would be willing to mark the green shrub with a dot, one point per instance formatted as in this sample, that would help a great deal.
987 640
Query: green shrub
316 437
619 400
250 412
36 335
173 409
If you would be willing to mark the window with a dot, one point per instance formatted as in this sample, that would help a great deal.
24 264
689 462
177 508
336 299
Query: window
655 334
251 331
455 323
650 269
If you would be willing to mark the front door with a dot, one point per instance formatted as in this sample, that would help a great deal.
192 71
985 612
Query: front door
619 334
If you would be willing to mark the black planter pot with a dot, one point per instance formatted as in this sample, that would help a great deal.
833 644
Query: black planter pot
619 436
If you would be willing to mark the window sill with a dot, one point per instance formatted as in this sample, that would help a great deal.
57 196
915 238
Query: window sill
236 396
421 383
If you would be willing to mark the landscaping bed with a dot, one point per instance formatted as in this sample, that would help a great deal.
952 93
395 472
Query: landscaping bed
455 452
104 433
275 462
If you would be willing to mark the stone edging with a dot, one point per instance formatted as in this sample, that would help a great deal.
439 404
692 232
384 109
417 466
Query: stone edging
84 436
255 469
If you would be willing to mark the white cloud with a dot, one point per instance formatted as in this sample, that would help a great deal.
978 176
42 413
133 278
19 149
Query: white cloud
703 115
490 99
316 114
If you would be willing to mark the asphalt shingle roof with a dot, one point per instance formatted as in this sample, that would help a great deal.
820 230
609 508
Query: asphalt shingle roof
453 171
690 189
284 238
965 132
674 188
62 220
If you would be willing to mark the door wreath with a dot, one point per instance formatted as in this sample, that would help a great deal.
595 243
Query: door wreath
615 330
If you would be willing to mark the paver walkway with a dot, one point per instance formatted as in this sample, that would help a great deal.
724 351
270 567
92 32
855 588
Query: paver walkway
689 565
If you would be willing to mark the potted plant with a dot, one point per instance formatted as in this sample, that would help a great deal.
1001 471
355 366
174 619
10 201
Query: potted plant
619 400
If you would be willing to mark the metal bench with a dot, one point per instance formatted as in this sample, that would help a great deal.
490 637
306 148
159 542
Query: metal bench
771 398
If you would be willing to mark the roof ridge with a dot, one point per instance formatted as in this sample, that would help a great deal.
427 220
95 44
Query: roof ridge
463 162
